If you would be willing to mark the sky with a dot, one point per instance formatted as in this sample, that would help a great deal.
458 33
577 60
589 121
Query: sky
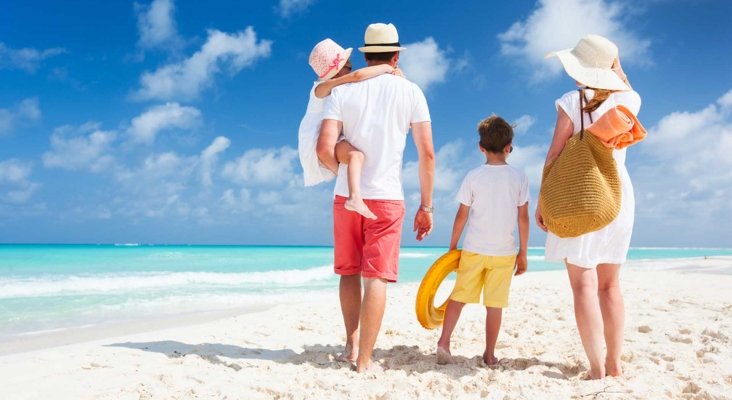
175 122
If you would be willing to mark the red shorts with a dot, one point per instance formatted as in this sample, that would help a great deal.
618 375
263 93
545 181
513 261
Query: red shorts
365 246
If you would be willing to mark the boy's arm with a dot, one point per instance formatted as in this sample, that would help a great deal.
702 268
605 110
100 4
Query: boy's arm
523 227
457 227
324 88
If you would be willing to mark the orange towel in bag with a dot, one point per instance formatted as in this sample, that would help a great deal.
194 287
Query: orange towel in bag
618 128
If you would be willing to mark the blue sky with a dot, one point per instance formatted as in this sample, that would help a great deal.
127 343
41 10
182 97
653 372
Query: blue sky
176 121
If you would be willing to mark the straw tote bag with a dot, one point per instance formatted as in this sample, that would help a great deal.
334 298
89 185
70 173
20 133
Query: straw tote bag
580 190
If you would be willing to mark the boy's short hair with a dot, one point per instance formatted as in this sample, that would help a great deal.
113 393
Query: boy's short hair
495 134
384 56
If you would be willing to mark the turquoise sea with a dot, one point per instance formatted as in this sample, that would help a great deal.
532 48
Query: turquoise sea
47 288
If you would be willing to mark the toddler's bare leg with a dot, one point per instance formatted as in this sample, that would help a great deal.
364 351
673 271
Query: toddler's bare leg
347 154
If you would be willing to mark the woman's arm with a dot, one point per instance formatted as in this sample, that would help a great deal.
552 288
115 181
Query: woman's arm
562 131
619 71
324 88
457 227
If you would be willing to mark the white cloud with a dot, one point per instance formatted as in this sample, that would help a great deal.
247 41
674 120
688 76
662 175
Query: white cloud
15 184
559 24
156 188
87 149
424 63
263 166
26 111
209 157
156 25
26 59
684 174
147 125
288 7
188 78
523 123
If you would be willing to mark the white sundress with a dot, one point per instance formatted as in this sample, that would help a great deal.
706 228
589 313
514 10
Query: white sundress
307 139
610 244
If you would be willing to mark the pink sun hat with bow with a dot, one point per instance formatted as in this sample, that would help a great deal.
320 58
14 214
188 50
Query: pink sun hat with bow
327 58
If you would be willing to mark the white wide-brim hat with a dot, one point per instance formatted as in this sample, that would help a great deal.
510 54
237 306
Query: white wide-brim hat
327 58
590 63
381 38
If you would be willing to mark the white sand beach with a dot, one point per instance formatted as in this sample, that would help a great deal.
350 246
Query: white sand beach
678 345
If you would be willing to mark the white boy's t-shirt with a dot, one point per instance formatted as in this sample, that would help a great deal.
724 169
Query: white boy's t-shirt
376 115
493 193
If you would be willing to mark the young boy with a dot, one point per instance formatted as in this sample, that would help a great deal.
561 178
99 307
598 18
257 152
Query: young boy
492 198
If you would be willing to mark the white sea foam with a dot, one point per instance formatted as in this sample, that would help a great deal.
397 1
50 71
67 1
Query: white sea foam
110 283
415 255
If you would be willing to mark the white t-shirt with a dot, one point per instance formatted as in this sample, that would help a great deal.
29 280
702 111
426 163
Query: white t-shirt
376 115
493 193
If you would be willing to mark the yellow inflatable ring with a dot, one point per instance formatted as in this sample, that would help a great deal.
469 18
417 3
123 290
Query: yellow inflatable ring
429 316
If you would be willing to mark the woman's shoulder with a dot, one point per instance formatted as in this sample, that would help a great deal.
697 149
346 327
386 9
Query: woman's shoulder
630 99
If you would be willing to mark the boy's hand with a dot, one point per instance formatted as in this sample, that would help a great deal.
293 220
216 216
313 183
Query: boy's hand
521 264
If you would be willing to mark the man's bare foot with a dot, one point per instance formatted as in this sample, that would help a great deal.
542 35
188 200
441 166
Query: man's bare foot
357 205
369 366
350 354
490 360
444 356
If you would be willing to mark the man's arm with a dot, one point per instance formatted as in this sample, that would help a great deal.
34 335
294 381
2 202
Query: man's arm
327 139
422 133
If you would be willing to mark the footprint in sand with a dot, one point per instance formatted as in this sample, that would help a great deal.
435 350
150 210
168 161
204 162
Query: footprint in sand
679 339
719 336
691 388
685 331
644 329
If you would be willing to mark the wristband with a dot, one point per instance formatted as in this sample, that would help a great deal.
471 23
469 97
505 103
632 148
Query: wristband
427 209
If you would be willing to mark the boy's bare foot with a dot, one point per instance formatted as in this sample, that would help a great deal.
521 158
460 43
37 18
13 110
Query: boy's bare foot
444 357
357 205
489 359
350 354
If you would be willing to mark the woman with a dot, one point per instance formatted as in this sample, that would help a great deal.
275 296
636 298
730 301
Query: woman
593 260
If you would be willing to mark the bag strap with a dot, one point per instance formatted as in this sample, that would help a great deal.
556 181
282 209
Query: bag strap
582 117
582 97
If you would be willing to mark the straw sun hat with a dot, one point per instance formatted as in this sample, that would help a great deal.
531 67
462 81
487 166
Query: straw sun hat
381 38
327 58
590 63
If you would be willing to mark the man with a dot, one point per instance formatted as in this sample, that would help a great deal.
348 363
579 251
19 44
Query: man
375 116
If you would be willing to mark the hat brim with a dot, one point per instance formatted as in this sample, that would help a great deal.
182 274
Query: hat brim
334 72
597 78
380 49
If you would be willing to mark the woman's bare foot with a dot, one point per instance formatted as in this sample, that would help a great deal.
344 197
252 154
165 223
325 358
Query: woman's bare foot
444 357
592 375
490 359
350 354
613 369
357 205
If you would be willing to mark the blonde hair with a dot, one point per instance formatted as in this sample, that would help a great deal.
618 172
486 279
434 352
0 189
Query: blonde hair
600 96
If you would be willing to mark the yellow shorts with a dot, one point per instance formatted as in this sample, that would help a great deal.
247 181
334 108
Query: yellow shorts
492 274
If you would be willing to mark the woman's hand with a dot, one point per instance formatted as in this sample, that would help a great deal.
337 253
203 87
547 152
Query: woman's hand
540 219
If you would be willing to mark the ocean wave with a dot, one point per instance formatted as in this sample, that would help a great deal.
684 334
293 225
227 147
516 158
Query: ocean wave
109 283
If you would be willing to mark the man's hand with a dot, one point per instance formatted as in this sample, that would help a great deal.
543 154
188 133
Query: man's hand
422 224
